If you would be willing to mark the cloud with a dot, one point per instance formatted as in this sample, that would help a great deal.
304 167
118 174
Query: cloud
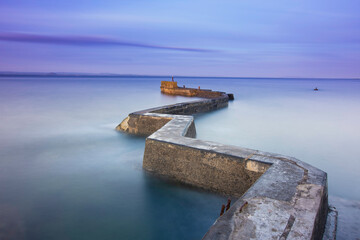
87 41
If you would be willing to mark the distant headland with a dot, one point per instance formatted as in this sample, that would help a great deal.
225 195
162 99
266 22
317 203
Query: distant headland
117 75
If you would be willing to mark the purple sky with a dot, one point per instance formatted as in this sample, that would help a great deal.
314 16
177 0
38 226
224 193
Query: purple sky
199 38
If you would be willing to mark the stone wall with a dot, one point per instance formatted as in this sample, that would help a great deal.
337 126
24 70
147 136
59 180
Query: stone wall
171 88
141 124
201 168
281 197
168 84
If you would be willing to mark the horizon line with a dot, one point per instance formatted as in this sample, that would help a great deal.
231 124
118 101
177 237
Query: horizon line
109 75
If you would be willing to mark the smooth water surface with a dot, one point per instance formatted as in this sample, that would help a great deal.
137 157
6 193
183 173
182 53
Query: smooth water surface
65 173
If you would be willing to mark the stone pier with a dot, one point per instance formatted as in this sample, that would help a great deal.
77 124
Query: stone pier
280 197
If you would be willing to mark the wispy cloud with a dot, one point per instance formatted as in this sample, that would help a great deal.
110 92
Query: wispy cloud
87 41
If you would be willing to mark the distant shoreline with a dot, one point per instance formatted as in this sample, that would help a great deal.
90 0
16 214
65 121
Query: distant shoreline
110 75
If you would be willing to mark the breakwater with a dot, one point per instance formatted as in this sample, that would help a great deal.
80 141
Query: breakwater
279 197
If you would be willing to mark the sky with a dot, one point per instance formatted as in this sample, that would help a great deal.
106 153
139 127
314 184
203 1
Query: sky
241 38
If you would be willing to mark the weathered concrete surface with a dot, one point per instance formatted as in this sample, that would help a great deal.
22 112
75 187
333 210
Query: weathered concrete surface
202 168
286 198
142 123
331 224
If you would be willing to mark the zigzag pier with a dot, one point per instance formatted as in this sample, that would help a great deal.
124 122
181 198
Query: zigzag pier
280 197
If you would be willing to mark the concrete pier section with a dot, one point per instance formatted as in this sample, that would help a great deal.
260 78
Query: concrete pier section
280 197
171 88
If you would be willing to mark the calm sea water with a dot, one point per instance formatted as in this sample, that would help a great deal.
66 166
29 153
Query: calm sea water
65 173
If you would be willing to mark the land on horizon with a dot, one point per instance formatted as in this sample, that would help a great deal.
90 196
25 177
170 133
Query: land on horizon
110 75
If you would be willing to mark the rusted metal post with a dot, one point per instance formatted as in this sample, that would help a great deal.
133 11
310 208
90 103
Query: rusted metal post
242 206
199 87
172 78
222 210
228 204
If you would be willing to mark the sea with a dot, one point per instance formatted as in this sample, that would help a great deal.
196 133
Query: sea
65 173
